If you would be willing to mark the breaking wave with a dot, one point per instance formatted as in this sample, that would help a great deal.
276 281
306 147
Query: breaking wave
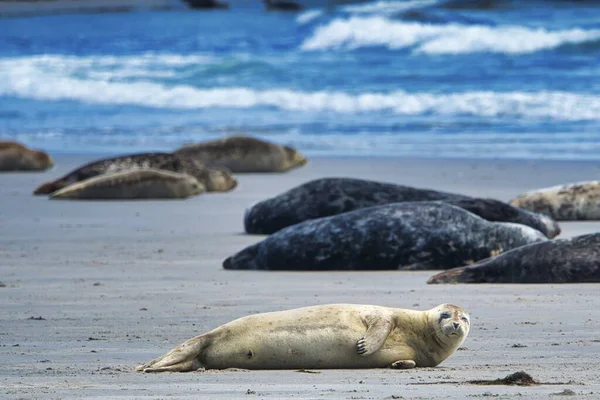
31 81
377 31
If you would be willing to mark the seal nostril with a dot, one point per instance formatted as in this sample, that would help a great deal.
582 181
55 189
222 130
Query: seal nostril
456 324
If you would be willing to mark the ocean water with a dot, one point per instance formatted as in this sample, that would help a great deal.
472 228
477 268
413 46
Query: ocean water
416 78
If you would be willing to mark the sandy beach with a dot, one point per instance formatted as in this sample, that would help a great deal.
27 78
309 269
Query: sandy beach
94 288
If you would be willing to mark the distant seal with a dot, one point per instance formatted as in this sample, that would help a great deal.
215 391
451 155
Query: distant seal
16 157
332 196
325 336
244 154
282 5
214 179
413 235
132 184
572 202
206 4
574 260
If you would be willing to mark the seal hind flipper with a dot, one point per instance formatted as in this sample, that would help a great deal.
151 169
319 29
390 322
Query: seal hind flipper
403 364
183 358
377 332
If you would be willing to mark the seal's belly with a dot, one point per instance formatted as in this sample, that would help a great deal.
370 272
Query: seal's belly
322 347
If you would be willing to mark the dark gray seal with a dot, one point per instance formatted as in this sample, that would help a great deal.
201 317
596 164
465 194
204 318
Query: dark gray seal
214 179
415 235
244 154
574 260
331 196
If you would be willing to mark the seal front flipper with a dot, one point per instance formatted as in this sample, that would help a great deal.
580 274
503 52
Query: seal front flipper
403 364
183 358
378 330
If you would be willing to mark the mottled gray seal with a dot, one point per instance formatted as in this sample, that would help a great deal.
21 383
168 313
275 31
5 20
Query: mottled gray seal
16 157
244 154
413 235
576 201
332 196
326 336
132 184
214 179
574 260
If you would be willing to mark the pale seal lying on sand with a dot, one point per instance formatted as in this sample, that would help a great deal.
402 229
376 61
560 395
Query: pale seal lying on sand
413 235
244 154
574 260
326 336
332 196
132 184
576 201
16 157
214 179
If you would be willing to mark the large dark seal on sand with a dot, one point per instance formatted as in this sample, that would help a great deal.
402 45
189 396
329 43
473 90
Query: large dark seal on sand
574 260
244 154
324 336
572 202
16 157
214 179
135 184
331 196
415 235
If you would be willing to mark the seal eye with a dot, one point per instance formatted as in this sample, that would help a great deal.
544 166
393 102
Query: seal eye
444 315
465 319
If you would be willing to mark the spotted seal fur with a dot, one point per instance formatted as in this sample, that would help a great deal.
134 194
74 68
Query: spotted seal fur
214 179
412 235
574 260
331 196
132 184
573 202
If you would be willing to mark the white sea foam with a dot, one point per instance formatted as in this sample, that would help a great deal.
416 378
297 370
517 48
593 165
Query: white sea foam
108 67
357 32
309 15
30 80
383 7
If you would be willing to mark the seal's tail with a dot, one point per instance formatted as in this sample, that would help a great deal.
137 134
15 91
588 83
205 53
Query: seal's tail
48 187
245 259
183 358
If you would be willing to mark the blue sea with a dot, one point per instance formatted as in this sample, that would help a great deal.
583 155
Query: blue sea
426 78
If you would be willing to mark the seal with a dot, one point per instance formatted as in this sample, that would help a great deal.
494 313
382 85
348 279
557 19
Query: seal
332 336
573 202
214 179
132 184
574 260
282 5
412 235
16 157
244 154
206 4
331 196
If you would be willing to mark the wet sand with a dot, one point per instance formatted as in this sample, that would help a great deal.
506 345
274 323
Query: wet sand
119 283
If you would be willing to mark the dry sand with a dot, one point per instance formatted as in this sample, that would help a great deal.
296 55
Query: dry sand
119 283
